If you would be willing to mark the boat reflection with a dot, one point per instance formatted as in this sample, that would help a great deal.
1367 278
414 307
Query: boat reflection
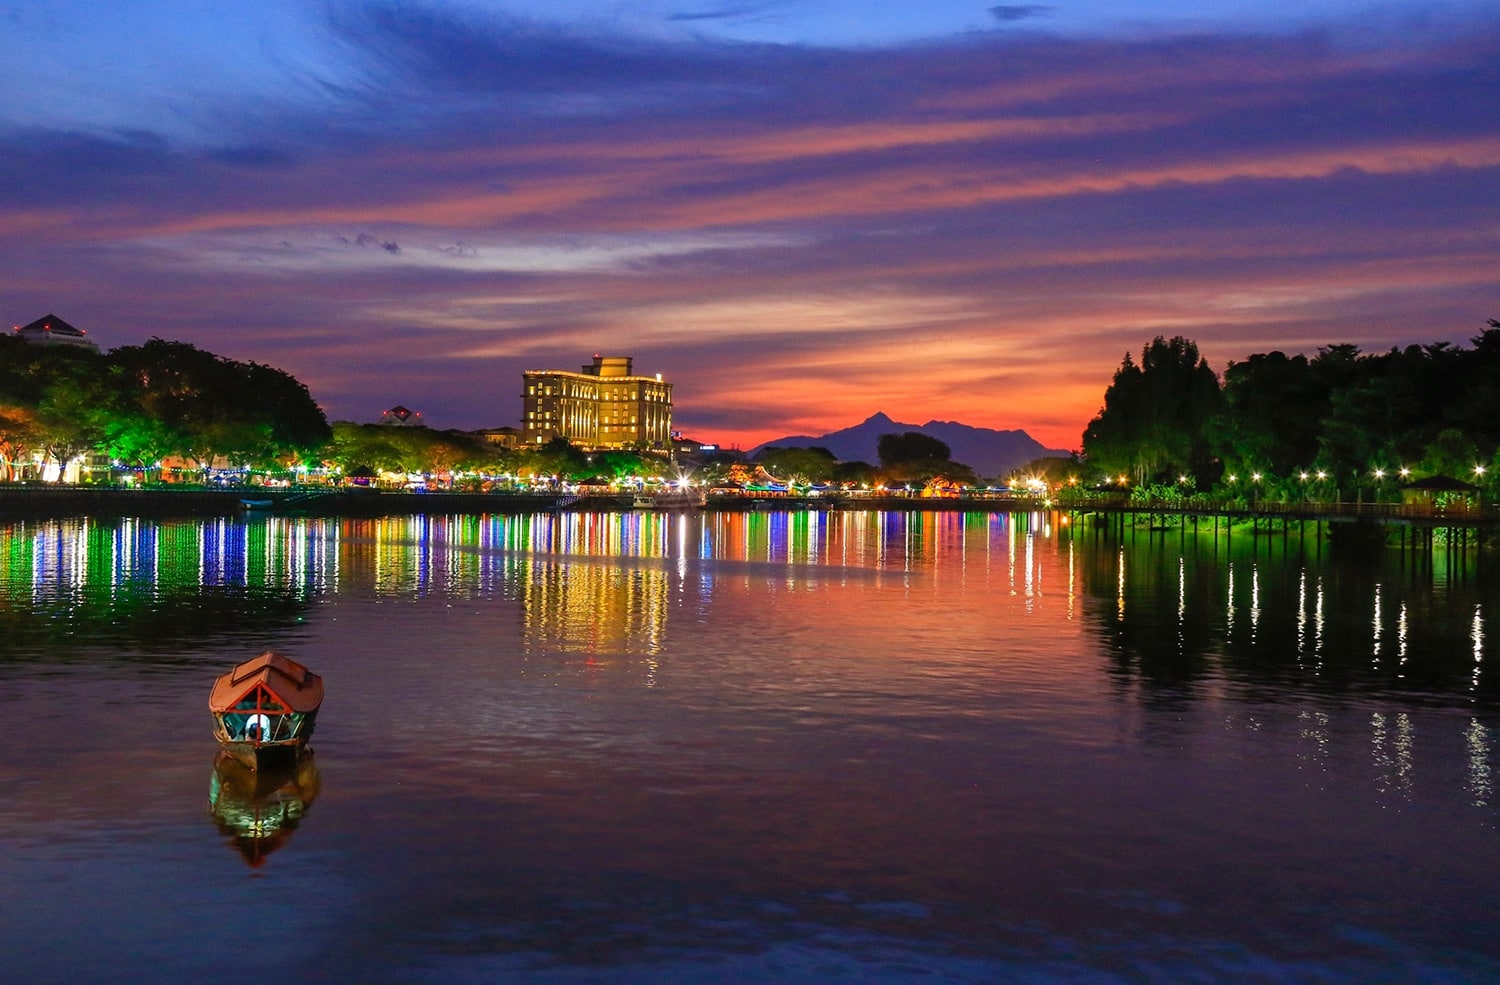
257 810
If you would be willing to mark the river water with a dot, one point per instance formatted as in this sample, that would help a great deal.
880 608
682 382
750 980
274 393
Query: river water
750 748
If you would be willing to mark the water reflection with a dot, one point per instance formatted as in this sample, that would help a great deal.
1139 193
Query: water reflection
1297 623
1477 635
257 810
611 582
916 735
1480 744
152 583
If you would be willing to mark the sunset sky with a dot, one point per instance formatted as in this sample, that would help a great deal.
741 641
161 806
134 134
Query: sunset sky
800 212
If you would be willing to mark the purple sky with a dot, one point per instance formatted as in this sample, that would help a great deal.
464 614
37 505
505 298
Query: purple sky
798 212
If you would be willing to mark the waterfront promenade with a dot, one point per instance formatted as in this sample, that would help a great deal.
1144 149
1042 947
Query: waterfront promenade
31 500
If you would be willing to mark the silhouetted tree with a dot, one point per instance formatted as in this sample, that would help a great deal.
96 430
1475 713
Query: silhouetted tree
801 465
914 457
911 446
1153 422
1269 419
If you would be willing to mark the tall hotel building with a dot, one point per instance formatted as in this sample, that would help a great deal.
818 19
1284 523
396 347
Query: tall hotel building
602 407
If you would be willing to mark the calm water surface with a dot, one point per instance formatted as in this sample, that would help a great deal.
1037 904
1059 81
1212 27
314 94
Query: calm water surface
749 748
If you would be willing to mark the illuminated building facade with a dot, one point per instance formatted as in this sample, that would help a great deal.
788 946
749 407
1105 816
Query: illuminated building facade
603 407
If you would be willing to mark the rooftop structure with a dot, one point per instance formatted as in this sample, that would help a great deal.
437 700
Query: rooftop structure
604 406
400 416
504 437
52 330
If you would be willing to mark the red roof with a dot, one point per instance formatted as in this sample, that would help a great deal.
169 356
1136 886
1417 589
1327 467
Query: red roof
297 687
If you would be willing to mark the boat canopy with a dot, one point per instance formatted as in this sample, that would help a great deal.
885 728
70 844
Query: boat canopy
295 687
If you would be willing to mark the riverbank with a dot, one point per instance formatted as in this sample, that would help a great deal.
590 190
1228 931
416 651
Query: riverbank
37 501
43 501
62 501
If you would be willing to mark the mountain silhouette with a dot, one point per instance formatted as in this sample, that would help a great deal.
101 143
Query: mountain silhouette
989 452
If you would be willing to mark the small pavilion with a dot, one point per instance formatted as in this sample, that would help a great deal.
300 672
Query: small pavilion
1436 490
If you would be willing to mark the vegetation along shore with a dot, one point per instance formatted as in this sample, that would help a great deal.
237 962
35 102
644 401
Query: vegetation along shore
166 427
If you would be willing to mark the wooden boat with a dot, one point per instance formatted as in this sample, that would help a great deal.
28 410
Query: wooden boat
264 709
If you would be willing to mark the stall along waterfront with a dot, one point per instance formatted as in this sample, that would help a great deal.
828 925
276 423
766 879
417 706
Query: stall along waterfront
265 709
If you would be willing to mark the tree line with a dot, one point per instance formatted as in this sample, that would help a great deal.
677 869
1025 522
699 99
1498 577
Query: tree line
908 458
142 404
139 404
1341 420
1345 420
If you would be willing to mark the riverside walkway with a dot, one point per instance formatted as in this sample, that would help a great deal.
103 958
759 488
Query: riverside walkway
56 500
1421 531
1423 514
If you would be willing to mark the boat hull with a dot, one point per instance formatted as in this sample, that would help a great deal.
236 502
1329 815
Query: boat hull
265 755
259 753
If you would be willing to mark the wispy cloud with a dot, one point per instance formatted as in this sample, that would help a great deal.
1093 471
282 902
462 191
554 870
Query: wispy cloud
724 12
974 229
1009 13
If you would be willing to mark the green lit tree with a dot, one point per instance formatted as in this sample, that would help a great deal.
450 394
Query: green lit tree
557 457
1451 453
356 447
618 465
72 406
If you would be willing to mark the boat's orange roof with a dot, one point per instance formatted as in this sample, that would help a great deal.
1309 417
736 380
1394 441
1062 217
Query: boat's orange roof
297 687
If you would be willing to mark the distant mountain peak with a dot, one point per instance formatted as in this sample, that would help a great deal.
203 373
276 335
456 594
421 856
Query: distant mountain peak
989 452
